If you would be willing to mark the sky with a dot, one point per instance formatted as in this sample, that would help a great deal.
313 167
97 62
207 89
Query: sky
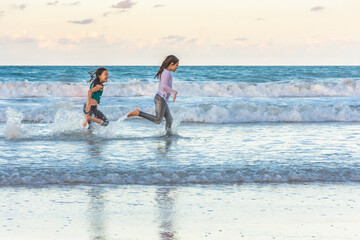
198 32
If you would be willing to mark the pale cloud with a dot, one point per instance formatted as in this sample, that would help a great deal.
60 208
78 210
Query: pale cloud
68 41
318 41
60 42
317 8
2 13
19 6
84 21
52 3
142 43
260 19
24 40
81 42
191 41
64 41
19 39
159 5
105 14
124 4
174 38
240 39
72 3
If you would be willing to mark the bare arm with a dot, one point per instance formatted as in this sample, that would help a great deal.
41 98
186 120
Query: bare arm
174 97
94 89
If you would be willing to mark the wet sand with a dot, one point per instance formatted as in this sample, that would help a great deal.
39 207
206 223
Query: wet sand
245 211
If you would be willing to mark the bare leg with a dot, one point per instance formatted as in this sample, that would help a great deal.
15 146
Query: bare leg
94 115
86 120
94 119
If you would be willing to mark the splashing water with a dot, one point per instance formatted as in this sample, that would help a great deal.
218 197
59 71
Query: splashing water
13 124
121 119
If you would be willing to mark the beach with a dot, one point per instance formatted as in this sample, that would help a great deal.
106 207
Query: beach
255 153
246 211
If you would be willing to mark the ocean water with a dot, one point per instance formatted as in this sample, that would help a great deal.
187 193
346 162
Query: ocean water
232 125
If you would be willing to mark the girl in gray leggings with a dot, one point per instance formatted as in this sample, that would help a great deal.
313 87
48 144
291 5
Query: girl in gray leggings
170 63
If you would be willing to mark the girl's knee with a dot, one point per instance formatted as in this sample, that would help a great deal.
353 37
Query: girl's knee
158 121
105 123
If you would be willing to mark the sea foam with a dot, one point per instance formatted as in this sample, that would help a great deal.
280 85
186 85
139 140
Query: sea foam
300 88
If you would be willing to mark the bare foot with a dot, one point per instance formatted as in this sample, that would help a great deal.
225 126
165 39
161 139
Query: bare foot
133 113
86 120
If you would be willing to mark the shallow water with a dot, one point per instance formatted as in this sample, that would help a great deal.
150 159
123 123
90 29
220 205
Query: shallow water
231 125
136 152
255 153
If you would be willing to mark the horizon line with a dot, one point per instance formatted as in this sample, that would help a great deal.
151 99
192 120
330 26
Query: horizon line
187 65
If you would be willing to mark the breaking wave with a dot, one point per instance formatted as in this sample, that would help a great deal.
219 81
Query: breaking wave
299 88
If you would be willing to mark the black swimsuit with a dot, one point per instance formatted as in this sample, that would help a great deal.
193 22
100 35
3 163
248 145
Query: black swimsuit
94 112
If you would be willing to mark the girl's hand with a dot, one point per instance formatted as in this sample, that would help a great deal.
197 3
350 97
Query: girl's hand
174 98
87 108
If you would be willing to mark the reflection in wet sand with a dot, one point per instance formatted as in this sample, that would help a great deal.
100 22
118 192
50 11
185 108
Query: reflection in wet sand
97 216
166 200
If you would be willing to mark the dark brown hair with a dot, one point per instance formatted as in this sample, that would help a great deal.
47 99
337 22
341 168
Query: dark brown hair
167 62
94 74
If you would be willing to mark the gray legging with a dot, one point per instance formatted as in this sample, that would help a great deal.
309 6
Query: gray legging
161 110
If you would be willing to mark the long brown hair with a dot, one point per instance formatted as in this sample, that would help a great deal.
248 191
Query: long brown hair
95 76
167 62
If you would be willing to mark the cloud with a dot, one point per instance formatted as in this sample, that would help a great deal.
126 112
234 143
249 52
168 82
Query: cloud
260 19
52 3
174 38
24 40
84 21
60 42
72 3
317 8
19 6
105 14
240 39
159 5
124 4
2 13
191 41
64 41
80 40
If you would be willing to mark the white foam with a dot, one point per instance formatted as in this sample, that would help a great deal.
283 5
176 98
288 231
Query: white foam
149 176
236 112
248 112
121 119
346 87
13 127
67 121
